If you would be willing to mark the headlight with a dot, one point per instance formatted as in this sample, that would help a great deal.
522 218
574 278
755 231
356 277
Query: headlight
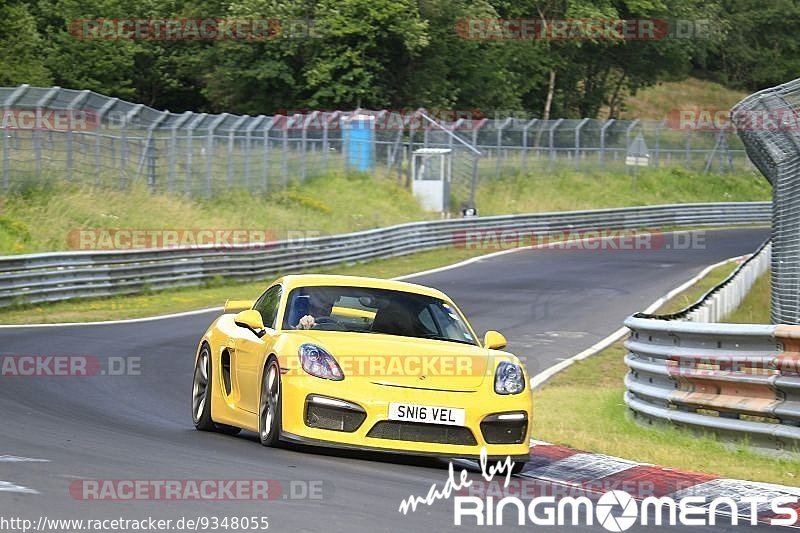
509 379
317 362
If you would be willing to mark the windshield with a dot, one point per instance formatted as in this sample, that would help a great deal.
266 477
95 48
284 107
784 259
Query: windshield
367 310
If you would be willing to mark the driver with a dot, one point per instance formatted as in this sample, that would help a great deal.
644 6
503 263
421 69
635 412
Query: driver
319 310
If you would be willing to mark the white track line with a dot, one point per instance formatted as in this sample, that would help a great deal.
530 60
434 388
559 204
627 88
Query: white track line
15 459
5 486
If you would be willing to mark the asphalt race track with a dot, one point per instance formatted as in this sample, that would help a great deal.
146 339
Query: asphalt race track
550 304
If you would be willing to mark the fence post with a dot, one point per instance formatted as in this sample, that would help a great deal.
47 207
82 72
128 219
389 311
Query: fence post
210 150
149 155
265 174
187 187
248 147
123 177
657 146
173 148
37 145
578 142
285 150
231 141
101 114
525 142
12 98
499 145
71 107
603 129
325 141
552 149
303 138
687 161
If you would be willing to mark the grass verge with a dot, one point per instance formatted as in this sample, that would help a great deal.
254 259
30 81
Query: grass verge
754 309
582 407
48 218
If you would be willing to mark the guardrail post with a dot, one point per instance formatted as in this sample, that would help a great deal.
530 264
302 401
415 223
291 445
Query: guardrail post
12 98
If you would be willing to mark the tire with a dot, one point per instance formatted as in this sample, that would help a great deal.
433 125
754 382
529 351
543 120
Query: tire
201 391
201 396
269 404
517 468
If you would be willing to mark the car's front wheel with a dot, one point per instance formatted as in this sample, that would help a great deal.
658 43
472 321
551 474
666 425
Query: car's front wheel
269 411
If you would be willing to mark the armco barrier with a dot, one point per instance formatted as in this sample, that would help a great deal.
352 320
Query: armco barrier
69 275
735 380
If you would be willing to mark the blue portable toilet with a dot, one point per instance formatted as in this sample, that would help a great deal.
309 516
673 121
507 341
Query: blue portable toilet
359 138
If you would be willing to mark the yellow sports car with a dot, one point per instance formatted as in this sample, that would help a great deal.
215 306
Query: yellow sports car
361 363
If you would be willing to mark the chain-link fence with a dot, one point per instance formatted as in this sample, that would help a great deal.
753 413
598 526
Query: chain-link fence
769 125
82 136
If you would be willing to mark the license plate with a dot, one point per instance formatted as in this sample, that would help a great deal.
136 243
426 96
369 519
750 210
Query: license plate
427 414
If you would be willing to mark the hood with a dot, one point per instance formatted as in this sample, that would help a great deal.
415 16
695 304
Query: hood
403 361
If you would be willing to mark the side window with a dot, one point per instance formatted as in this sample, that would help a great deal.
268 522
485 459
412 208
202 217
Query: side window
267 305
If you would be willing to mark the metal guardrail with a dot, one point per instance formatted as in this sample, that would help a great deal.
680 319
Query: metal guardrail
735 380
49 277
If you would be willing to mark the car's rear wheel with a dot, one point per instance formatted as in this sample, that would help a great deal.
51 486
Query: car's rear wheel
269 411
201 391
201 396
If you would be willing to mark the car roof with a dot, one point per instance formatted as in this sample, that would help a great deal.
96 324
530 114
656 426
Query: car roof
306 280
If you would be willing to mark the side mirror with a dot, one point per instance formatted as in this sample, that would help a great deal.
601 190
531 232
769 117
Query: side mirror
494 340
250 319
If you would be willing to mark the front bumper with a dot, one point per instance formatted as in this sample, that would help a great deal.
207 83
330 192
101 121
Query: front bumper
375 431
